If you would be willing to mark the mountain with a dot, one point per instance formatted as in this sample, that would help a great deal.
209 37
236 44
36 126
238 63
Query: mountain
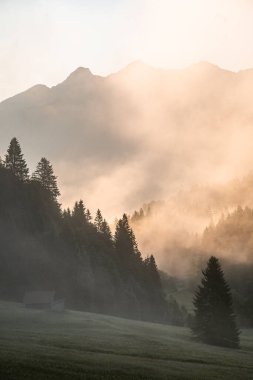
138 134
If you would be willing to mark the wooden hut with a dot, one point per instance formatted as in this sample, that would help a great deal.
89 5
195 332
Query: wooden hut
43 300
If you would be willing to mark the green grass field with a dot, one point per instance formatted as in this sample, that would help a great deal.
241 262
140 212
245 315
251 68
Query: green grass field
75 345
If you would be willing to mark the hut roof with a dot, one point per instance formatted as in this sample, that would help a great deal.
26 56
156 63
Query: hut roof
39 297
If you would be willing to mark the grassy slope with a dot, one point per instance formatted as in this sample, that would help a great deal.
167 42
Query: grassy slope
74 345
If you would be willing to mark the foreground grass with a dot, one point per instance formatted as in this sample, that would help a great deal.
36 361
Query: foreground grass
75 345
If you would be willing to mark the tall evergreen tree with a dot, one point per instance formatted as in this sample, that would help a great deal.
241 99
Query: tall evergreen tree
152 270
137 253
105 229
15 162
79 215
45 175
126 248
99 220
124 238
214 320
88 215
156 294
102 226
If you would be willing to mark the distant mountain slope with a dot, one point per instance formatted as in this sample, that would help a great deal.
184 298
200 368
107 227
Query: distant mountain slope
138 134
173 228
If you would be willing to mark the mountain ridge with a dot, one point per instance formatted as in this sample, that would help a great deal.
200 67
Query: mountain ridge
84 72
182 126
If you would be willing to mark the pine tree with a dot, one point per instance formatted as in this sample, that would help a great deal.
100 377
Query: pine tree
105 229
153 272
45 175
124 238
214 320
15 162
137 253
126 248
79 214
88 215
155 290
102 226
99 220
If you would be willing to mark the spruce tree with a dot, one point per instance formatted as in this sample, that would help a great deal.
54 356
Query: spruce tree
102 226
88 215
125 242
45 175
99 220
105 229
153 272
153 283
214 320
126 248
15 162
79 214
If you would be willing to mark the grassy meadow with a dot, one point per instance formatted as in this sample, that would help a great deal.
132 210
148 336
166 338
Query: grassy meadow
78 345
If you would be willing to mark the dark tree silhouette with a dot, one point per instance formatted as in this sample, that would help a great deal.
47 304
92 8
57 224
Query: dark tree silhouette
105 229
88 215
15 162
79 215
45 175
102 226
125 242
214 320
153 272
99 220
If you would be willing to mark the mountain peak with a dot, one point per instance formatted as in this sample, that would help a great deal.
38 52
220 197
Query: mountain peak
79 74
81 70
136 69
204 66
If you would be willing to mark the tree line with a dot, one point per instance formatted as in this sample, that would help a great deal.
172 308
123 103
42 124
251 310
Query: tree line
45 247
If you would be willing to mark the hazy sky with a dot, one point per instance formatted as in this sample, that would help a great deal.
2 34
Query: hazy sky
42 41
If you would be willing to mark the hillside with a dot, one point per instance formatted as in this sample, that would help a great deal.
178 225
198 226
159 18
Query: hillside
183 217
46 248
194 123
76 345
